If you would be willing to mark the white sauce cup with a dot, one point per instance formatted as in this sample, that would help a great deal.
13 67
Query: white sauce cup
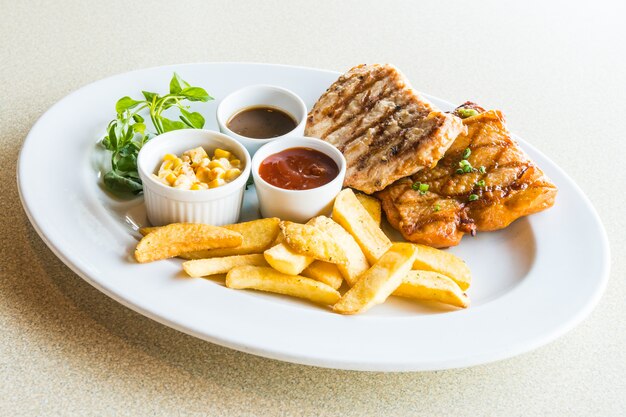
164 204
297 205
261 95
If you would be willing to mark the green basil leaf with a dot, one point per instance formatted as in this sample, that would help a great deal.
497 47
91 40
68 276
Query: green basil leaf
112 136
106 143
120 184
127 163
125 103
169 125
194 119
177 84
195 94
139 128
137 118
150 96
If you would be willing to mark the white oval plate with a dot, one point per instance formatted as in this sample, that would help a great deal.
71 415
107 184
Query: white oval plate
533 281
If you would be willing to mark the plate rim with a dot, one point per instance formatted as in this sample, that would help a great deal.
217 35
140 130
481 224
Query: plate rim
564 327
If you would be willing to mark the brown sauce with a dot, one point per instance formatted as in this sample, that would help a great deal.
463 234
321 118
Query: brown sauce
298 169
261 122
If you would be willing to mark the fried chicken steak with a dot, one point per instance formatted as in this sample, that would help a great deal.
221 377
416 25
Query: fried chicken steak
384 128
501 185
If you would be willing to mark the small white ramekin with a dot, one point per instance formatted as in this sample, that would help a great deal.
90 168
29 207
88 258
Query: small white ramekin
261 95
297 205
216 206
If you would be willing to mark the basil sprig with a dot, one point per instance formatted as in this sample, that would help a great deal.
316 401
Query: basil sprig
126 134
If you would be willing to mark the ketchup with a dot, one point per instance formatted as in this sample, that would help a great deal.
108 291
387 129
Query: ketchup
298 169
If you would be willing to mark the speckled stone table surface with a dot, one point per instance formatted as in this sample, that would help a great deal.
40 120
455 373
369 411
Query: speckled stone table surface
557 69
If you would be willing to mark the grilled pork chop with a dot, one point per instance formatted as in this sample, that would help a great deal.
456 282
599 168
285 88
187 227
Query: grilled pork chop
384 128
458 203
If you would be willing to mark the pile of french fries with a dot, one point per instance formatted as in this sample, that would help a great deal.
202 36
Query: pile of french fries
346 261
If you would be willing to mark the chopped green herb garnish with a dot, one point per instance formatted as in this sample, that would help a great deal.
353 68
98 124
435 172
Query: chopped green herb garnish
466 153
436 207
459 171
482 169
480 183
418 186
473 197
467 169
465 113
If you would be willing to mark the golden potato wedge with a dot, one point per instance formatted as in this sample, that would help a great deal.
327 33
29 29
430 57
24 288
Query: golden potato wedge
284 259
310 241
371 205
258 235
324 272
268 279
213 266
350 214
378 282
176 238
445 263
357 262
432 286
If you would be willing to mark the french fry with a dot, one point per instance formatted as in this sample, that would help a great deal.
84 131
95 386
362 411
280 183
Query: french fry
324 272
445 263
174 239
213 266
350 214
378 282
268 279
311 241
258 235
357 263
284 259
432 286
372 205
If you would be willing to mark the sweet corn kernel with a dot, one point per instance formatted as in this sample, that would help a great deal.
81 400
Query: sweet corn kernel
217 173
205 162
171 178
231 174
216 164
195 186
167 164
203 174
225 163
216 183
177 162
221 153
235 163
169 157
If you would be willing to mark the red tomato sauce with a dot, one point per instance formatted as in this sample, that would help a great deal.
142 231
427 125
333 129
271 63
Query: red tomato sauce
298 169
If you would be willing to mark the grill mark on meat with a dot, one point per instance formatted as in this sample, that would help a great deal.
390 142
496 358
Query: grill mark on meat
379 143
378 124
367 108
384 129
337 108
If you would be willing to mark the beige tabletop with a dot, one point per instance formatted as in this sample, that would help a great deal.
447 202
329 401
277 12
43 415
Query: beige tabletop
558 71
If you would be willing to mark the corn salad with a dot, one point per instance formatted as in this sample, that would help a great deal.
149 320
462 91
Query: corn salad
195 170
